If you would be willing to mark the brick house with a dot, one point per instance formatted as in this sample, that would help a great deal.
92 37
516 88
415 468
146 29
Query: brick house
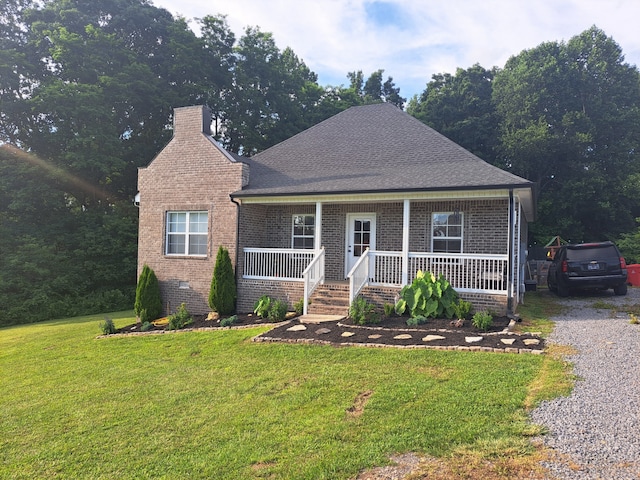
355 205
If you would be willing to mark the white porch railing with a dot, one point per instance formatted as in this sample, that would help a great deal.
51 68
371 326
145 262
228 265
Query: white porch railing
359 275
465 272
313 276
276 263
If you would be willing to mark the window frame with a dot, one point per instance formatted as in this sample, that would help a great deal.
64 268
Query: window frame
187 234
303 236
447 237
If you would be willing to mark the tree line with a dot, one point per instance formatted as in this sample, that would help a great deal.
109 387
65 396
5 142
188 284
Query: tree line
86 96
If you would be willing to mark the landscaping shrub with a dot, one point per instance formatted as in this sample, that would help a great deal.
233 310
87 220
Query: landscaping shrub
462 309
148 296
427 296
277 311
227 322
482 320
146 326
298 307
107 327
222 295
180 319
388 309
261 307
415 321
362 312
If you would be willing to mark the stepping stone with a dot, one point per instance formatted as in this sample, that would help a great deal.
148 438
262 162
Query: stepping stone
531 341
404 336
508 341
296 328
348 334
323 331
431 338
473 339
375 337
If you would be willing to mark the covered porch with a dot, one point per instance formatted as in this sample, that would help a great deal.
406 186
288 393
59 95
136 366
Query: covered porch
471 239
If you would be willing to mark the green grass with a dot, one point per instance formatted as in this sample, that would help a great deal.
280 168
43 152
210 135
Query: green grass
216 405
536 311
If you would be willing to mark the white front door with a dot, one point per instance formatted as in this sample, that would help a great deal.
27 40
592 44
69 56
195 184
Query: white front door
360 235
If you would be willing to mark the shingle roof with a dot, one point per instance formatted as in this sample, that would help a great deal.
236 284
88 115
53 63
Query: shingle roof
372 148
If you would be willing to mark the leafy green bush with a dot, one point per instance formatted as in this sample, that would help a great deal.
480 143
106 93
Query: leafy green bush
415 321
298 307
389 308
107 327
277 311
462 308
427 296
180 319
482 320
222 295
261 307
362 312
148 296
146 326
227 322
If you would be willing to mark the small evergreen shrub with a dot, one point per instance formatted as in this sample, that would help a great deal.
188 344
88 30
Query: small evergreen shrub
148 295
107 327
222 295
388 309
277 311
262 306
462 308
227 322
415 321
362 312
146 326
180 319
482 320
298 307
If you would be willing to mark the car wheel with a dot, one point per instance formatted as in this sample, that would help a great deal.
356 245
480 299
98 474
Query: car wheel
563 290
550 286
620 289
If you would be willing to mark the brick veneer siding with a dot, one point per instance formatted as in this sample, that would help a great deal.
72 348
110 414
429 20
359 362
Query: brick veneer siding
191 173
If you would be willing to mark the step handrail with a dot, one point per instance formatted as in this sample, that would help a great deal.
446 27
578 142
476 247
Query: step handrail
358 276
313 276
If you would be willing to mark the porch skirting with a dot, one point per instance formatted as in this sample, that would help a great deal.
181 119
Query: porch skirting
250 290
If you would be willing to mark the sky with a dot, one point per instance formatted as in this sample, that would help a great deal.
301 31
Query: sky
414 39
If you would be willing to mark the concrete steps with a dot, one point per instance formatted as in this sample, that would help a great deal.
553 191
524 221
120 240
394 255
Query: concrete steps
330 299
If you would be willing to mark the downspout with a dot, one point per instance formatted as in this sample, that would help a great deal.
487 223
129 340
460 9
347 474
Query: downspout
510 255
237 236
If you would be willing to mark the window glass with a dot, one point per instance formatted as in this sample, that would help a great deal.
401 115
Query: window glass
304 231
447 232
187 233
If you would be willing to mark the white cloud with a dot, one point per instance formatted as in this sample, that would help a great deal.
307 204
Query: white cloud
334 37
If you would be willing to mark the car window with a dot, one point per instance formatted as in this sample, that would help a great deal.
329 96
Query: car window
588 254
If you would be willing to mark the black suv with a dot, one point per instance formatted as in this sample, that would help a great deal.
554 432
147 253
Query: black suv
588 265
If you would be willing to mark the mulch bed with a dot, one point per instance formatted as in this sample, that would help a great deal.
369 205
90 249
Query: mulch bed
389 332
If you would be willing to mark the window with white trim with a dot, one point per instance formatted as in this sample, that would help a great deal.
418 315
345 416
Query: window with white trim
303 231
446 229
187 233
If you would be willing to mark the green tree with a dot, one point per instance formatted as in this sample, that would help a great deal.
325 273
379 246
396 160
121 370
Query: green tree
569 121
148 304
222 296
460 107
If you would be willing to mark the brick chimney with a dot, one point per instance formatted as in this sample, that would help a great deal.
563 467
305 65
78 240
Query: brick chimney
192 119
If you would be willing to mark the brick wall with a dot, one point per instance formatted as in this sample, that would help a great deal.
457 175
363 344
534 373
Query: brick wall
190 173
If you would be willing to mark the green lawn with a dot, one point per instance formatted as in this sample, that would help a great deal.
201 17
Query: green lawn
216 405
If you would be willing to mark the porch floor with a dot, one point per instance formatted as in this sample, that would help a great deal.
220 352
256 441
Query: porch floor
317 318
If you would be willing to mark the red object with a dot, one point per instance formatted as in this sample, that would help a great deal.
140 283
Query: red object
633 274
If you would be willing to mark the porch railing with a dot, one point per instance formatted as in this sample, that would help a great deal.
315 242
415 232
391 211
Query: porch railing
276 263
359 275
465 272
313 276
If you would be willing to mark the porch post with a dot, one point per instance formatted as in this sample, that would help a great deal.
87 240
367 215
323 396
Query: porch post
406 215
317 241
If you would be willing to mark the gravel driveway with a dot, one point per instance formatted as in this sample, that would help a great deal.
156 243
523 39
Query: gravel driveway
597 428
